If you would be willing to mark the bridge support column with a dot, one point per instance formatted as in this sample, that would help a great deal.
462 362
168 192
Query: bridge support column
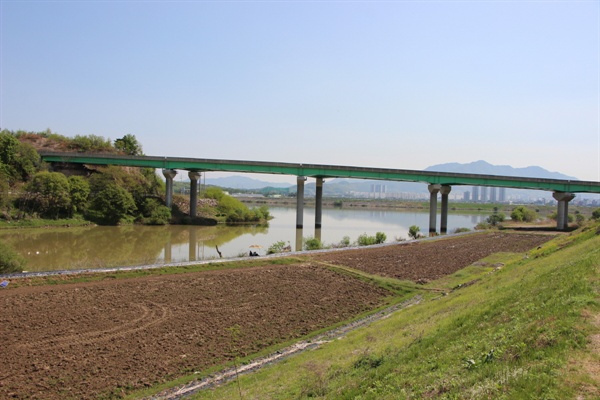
300 201
318 203
433 191
562 220
169 175
445 191
194 176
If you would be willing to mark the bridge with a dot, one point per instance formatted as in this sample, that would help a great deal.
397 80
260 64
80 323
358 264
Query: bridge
438 182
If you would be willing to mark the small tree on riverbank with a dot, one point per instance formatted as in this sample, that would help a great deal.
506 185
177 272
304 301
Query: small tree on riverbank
414 232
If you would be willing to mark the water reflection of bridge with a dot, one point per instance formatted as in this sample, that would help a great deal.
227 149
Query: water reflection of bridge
437 182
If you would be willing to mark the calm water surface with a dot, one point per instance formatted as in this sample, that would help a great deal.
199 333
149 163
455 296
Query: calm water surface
109 246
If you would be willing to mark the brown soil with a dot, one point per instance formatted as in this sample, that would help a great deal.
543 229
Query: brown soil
103 339
428 260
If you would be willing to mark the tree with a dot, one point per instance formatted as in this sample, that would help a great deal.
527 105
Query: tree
79 190
111 205
48 194
129 145
4 195
18 161
413 232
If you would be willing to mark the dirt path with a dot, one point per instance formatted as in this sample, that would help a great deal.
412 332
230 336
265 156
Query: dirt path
84 340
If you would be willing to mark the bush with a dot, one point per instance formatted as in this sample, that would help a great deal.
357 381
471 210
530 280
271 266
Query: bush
459 230
155 213
312 243
596 214
414 232
79 190
366 240
523 214
90 143
277 247
345 242
495 219
112 205
48 194
10 260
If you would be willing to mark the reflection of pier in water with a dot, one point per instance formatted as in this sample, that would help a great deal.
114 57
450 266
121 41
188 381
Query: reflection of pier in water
198 239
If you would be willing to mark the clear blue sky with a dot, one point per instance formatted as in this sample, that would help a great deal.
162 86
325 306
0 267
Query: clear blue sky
398 84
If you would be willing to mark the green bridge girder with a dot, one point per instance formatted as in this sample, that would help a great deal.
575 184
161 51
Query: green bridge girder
326 171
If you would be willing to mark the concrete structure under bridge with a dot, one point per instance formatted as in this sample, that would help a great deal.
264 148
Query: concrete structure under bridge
438 182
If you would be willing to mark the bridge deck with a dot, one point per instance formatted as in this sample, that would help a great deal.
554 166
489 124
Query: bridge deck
327 171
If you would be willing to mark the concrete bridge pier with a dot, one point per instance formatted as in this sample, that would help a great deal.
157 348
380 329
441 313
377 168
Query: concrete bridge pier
563 198
318 203
194 176
169 175
433 191
300 201
445 191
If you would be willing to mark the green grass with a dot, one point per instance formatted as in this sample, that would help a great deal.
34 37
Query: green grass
510 335
42 223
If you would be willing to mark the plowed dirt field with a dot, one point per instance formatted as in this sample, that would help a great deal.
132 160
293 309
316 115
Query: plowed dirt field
102 339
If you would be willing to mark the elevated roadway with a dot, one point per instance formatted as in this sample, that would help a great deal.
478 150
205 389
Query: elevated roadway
438 182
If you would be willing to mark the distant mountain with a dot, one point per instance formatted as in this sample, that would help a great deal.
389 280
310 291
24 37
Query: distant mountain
243 182
485 168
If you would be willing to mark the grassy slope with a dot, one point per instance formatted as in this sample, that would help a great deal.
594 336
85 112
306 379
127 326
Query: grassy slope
520 332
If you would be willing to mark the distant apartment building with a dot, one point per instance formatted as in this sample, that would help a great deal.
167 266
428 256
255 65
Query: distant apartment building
484 195
493 194
378 191
467 196
502 195
475 196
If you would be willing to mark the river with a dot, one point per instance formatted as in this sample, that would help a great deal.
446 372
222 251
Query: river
109 246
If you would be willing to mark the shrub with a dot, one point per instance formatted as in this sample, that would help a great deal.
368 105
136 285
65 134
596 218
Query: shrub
495 219
49 194
79 190
312 243
10 260
523 214
90 143
111 205
277 247
414 232
459 230
155 213
345 242
366 240
596 214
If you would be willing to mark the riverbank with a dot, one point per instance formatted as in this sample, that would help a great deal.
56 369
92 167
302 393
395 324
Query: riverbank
397 204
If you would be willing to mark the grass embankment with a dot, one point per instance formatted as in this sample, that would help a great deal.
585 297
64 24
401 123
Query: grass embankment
522 331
